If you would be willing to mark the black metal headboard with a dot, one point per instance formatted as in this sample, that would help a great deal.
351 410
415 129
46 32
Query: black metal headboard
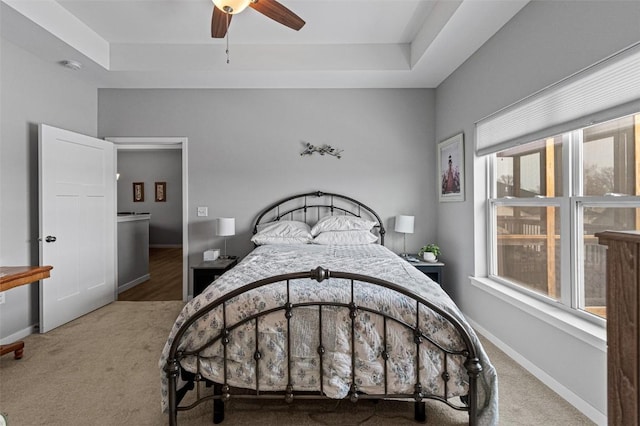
303 206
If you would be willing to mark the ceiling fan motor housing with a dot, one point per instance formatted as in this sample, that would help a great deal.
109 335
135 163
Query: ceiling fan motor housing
232 6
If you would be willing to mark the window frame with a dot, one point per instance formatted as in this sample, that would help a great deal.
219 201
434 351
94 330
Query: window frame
571 204
578 203
556 202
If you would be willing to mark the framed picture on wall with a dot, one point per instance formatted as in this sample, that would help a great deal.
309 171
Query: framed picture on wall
161 191
451 168
138 191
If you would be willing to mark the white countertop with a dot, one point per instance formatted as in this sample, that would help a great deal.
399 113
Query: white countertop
133 217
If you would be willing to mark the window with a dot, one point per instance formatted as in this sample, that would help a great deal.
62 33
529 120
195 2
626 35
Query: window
547 200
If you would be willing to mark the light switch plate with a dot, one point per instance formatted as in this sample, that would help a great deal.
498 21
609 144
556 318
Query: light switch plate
1 298
203 211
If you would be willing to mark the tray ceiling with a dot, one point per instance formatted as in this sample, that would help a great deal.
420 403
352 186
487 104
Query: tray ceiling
344 44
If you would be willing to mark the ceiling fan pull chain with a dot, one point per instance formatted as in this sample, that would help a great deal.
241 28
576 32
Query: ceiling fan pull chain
227 16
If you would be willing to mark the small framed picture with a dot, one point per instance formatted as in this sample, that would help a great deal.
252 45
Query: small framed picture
138 191
161 191
451 168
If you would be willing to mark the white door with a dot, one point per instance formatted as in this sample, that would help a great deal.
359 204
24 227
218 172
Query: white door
77 224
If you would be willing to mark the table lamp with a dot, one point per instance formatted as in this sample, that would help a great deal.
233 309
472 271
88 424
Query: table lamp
225 226
404 224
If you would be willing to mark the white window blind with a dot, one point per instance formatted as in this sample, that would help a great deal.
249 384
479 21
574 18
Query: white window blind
601 92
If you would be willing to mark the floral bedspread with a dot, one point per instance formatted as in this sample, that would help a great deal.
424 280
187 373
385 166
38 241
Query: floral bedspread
373 260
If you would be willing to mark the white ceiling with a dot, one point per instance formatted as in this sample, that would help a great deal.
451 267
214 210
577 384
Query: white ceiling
344 44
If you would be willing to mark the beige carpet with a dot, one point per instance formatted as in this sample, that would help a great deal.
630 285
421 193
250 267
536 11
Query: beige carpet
102 370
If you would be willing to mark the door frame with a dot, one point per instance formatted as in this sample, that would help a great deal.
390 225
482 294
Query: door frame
156 143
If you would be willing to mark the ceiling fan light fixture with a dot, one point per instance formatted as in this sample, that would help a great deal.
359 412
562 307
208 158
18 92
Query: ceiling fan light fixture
232 6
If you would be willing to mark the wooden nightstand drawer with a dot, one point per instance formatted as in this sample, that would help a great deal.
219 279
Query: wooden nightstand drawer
206 272
433 270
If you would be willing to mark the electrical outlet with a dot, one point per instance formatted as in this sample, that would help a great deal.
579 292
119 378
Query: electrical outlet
203 211
1 298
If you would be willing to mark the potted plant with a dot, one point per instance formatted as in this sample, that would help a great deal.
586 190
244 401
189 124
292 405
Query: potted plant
430 252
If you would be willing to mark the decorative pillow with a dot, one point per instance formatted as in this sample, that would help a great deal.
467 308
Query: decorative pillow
283 232
345 238
342 223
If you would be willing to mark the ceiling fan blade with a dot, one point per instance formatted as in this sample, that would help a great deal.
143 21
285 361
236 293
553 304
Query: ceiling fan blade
277 12
219 23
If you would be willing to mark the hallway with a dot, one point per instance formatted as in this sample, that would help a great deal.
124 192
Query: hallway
165 267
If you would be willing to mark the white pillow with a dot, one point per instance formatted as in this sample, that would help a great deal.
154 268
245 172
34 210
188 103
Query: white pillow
345 238
283 232
266 239
342 223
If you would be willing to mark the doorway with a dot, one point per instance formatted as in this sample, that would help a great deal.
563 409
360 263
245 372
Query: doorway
165 271
163 258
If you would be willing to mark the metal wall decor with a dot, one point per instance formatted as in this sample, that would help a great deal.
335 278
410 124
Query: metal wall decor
322 150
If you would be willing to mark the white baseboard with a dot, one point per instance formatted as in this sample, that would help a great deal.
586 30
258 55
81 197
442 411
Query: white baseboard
584 407
21 334
133 283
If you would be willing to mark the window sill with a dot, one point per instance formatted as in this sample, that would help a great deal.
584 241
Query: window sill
585 330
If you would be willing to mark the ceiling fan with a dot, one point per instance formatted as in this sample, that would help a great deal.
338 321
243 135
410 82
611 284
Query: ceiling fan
223 10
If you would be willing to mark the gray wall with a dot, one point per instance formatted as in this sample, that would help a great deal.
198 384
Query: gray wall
33 92
165 227
544 43
244 151
133 251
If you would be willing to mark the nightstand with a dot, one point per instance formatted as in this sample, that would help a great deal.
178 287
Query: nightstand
206 272
433 270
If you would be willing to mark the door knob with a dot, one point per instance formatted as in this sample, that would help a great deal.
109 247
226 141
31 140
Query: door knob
50 239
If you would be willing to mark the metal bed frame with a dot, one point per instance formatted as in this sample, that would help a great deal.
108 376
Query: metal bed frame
223 392
321 202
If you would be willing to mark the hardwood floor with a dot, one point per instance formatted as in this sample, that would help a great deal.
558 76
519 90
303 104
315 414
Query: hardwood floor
165 268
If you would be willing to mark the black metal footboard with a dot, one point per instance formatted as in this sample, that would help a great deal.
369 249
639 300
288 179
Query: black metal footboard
223 392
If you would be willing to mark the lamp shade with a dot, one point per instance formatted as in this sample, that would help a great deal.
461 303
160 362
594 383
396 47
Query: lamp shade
404 224
225 226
